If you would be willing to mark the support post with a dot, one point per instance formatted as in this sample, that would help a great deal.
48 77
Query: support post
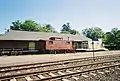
55 51
65 51
3 51
93 50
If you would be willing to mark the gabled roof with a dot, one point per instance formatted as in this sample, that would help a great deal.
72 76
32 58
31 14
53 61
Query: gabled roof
28 35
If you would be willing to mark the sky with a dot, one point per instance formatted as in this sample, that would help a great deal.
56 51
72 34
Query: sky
80 14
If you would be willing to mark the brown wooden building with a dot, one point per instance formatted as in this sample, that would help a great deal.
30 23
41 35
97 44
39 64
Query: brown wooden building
39 41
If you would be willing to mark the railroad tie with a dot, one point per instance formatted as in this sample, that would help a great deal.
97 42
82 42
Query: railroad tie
103 66
84 76
93 74
52 74
64 65
118 68
69 71
41 76
2 70
20 67
28 70
18 72
75 78
107 71
61 73
7 73
65 80
28 78
101 72
78 70
13 79
28 66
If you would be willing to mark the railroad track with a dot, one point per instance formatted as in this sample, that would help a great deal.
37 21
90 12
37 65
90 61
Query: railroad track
61 73
88 74
2 68
52 65
48 74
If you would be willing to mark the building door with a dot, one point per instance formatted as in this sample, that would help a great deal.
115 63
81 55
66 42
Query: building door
31 45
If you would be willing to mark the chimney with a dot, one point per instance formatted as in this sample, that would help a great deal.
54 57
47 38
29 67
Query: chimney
68 38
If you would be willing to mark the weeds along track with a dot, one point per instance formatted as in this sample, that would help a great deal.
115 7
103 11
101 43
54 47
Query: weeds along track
60 70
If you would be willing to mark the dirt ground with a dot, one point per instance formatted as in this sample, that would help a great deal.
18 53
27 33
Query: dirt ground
13 60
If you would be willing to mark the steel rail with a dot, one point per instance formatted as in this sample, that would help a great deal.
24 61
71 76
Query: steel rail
25 68
91 58
71 74
51 70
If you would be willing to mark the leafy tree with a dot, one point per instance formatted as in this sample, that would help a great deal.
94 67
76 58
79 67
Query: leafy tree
118 38
29 25
47 28
112 38
66 29
16 25
108 38
50 28
74 32
93 33
114 31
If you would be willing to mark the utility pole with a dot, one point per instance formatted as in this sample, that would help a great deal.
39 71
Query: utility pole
93 50
93 46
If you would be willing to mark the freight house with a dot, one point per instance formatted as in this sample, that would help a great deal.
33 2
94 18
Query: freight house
26 41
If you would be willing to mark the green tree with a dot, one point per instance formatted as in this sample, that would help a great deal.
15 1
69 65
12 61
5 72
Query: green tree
117 38
16 25
114 31
112 39
108 38
93 33
47 28
74 32
66 29
29 25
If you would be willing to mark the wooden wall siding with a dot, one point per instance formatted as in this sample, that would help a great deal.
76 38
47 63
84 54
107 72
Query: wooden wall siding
13 44
41 45
58 45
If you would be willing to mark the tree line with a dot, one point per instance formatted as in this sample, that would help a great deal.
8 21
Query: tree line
30 25
111 39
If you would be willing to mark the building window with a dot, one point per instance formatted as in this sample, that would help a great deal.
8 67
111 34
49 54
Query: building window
31 45
84 45
50 42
